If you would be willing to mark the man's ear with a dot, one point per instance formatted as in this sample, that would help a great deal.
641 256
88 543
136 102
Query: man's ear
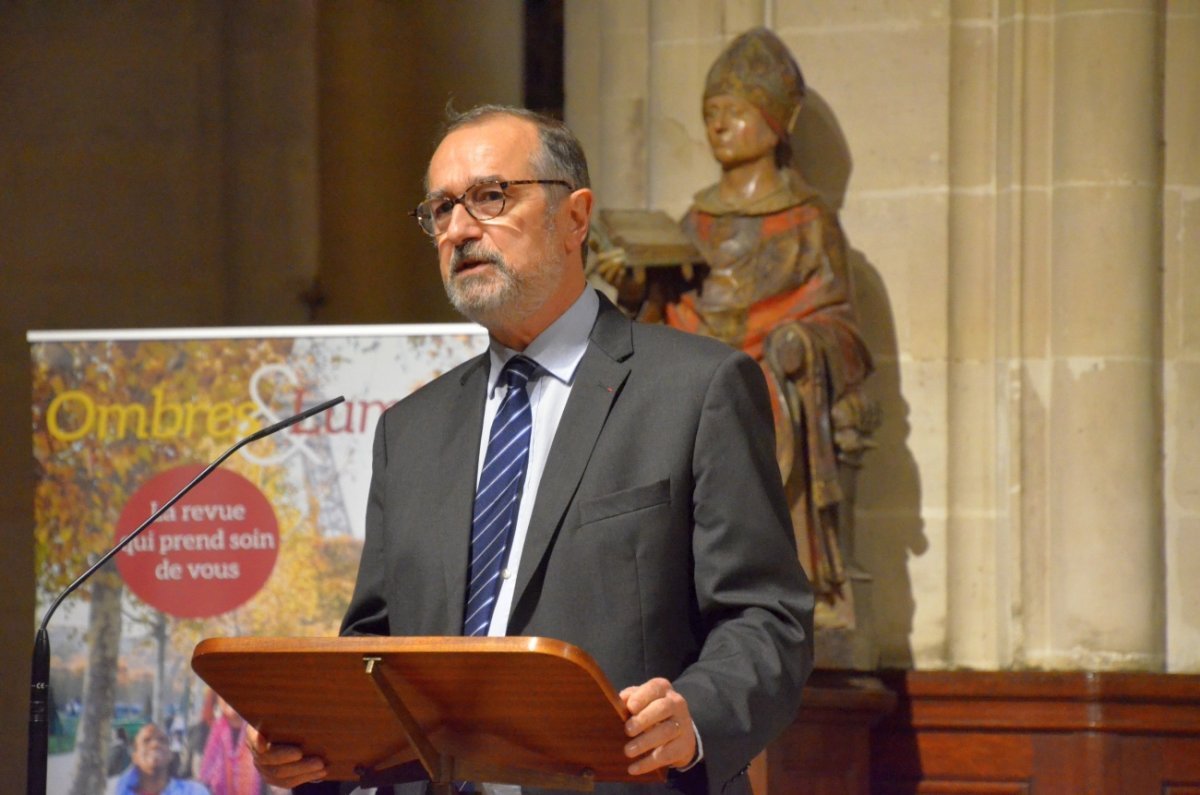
579 213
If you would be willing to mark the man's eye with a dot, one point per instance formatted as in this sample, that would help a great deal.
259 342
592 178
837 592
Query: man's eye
440 209
489 194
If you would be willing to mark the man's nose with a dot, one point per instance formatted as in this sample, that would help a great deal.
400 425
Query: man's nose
462 226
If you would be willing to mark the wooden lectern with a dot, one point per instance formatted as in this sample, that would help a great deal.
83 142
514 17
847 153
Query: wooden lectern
382 710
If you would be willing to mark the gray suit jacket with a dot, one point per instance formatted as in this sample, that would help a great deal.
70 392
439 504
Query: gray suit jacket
660 541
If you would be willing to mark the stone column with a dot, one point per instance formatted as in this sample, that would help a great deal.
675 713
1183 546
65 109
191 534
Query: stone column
982 267
1094 574
1181 335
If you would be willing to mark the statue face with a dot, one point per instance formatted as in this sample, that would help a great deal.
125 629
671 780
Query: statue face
737 132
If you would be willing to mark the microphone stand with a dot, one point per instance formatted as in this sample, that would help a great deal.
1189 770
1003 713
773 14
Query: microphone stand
39 717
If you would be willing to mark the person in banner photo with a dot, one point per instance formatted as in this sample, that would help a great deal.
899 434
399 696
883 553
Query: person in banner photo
227 767
607 483
150 770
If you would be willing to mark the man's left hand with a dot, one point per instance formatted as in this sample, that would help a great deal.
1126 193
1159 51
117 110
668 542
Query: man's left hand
660 727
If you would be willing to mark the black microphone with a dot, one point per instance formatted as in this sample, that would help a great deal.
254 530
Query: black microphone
39 717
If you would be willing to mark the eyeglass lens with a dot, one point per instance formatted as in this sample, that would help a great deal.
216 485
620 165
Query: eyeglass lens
484 202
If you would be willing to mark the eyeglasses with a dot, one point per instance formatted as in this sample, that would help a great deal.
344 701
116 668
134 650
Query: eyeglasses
483 201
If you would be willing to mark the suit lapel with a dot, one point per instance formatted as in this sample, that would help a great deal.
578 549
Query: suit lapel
454 504
602 373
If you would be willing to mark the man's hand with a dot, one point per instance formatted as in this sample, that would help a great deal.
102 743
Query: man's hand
660 726
282 765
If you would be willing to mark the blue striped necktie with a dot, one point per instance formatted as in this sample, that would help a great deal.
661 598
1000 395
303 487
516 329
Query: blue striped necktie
498 495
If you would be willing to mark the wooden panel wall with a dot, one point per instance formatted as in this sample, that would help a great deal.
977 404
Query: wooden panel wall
1097 733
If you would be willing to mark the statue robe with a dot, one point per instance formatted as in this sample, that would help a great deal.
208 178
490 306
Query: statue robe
777 278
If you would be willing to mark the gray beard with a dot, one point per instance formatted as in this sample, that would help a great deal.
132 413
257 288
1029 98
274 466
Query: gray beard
500 297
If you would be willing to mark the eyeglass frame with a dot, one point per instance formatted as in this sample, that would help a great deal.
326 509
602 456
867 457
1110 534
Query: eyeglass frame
461 199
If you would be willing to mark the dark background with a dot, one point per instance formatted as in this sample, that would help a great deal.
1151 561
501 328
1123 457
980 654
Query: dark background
200 163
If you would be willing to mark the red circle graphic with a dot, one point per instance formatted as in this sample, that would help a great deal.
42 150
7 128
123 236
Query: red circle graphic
209 553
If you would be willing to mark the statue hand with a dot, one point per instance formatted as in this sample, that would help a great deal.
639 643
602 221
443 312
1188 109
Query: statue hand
613 266
789 351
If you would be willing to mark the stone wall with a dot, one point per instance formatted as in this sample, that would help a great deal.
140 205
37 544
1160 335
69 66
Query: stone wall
1180 318
1025 251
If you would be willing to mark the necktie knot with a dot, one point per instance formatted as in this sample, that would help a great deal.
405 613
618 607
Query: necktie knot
518 371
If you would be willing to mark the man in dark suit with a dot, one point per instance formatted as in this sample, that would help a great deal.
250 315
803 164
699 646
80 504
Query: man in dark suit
648 522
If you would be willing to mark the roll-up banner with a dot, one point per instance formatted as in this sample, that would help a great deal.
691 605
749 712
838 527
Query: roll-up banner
268 545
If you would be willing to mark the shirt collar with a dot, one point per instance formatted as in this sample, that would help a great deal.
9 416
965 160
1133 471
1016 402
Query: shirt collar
557 350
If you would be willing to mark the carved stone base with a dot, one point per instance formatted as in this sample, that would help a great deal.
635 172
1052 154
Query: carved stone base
826 751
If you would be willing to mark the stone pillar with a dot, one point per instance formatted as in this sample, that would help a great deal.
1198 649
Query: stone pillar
980 281
1181 335
1094 574
1054 528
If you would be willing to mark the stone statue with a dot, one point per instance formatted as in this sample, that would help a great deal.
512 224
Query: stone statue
774 283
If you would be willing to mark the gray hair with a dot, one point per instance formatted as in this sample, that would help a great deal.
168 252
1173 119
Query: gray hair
561 155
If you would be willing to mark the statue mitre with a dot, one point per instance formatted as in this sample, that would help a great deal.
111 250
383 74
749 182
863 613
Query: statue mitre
758 67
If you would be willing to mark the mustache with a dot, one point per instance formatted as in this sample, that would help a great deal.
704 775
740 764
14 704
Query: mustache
474 251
